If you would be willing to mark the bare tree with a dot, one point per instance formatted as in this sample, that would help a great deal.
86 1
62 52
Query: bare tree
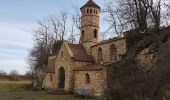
2 73
135 14
74 29
114 19
48 37
76 17
14 76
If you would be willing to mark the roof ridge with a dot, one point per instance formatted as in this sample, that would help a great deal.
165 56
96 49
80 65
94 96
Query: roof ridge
91 3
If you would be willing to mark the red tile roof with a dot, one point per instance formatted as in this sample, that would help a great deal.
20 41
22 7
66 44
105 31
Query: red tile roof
90 67
91 3
79 53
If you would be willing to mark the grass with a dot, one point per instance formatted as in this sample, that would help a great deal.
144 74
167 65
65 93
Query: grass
16 91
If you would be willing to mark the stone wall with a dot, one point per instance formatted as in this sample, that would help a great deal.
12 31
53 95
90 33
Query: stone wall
87 46
89 23
145 59
96 86
64 60
49 83
120 45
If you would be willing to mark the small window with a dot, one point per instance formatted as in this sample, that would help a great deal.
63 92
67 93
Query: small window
95 33
94 11
82 36
87 78
87 10
51 77
90 10
62 54
100 55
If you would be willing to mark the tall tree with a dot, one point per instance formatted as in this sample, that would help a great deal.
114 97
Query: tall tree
135 14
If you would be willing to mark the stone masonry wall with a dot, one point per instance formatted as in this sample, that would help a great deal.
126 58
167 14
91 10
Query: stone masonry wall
69 65
89 22
48 83
145 59
87 46
97 82
120 45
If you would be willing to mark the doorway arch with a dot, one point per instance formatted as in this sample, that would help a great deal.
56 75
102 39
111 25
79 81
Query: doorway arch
61 78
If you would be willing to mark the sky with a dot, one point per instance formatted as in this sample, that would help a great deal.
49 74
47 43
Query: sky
18 19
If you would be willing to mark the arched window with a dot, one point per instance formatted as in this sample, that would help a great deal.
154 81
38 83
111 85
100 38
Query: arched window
95 33
61 77
94 11
51 77
100 55
90 10
82 35
87 80
87 10
62 54
113 52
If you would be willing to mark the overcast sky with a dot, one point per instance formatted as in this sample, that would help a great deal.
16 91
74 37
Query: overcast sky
17 20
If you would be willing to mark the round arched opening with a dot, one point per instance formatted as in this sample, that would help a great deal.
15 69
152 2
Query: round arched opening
61 77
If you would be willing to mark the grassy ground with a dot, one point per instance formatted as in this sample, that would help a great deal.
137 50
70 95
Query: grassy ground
16 91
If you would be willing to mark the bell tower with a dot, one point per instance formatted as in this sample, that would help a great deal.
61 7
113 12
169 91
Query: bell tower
90 22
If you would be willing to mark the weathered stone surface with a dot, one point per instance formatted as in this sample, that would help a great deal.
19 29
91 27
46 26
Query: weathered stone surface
119 44
74 80
95 87
145 58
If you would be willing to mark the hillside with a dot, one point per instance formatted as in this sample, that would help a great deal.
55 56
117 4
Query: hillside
144 72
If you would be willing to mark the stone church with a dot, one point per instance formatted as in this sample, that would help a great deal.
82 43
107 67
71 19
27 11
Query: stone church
82 68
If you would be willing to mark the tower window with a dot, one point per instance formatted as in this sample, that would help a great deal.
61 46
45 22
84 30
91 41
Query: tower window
62 54
90 10
87 10
82 35
87 80
51 77
94 11
95 33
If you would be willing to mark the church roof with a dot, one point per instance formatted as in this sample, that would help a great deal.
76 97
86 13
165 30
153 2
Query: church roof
91 3
90 67
79 53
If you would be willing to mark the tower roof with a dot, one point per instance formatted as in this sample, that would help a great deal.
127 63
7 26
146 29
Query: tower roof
91 3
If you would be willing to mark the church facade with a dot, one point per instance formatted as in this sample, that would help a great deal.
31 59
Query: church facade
81 68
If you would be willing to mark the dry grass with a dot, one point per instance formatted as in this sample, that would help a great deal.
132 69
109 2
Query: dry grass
16 91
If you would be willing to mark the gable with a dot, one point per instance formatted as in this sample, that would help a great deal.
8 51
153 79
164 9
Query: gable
75 51
51 64
64 52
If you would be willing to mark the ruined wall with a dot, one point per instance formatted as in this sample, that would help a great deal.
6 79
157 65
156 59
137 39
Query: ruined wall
120 45
146 58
